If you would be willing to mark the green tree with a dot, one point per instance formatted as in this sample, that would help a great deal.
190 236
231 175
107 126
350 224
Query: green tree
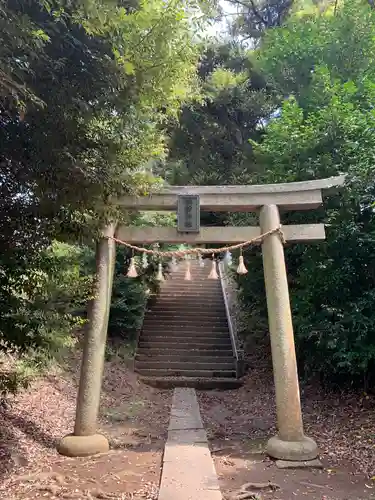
40 298
256 16
324 64
85 91
211 145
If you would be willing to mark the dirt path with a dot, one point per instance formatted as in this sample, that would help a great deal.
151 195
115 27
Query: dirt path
133 416
239 422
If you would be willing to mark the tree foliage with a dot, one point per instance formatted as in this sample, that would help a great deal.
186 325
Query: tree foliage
103 84
255 16
85 91
39 300
316 74
211 145
324 64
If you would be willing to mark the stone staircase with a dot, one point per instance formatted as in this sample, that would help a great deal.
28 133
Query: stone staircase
185 339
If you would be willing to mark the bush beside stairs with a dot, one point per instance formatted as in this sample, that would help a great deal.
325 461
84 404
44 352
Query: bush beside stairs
185 338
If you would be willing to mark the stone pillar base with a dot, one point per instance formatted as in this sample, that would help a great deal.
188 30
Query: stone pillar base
82 446
303 450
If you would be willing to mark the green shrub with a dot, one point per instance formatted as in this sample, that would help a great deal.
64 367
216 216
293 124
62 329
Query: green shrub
324 64
38 306
130 295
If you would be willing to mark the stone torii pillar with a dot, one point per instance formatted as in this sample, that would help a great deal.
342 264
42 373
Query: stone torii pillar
85 441
290 443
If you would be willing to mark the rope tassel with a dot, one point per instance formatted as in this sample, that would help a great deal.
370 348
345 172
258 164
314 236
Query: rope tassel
241 269
213 273
173 264
187 273
144 261
228 258
132 271
159 276
200 260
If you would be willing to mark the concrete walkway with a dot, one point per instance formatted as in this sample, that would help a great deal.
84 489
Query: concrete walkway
188 469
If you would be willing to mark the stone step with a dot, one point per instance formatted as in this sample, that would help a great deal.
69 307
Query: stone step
152 372
186 325
181 301
191 294
193 287
197 334
203 353
188 317
195 284
173 330
202 272
203 383
193 323
185 365
189 290
153 322
171 334
213 298
191 326
178 292
184 358
200 306
176 334
196 280
185 307
186 312
199 276
185 322
187 344
210 340
165 348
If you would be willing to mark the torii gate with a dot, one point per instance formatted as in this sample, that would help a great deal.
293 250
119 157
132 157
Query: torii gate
290 442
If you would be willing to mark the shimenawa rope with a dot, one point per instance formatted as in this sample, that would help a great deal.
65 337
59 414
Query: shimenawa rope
201 251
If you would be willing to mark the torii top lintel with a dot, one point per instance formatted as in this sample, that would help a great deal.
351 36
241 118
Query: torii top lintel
304 195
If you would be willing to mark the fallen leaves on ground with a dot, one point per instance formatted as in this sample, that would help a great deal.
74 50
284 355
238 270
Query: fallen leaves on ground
134 417
342 424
